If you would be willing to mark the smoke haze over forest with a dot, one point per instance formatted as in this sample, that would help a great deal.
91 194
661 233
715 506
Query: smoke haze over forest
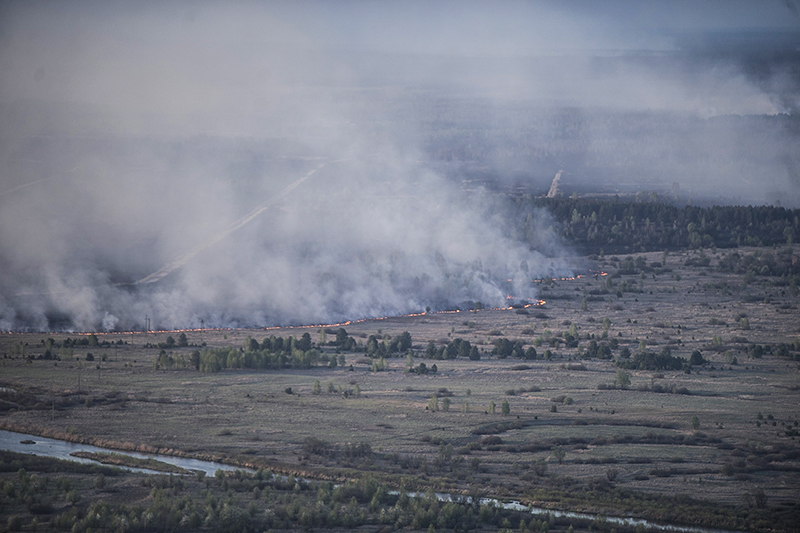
137 134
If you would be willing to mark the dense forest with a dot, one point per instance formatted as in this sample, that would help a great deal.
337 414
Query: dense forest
614 225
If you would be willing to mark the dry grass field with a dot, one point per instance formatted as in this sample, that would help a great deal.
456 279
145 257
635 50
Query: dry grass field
571 432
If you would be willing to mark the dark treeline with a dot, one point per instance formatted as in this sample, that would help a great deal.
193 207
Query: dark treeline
501 348
236 502
36 498
453 349
275 353
617 226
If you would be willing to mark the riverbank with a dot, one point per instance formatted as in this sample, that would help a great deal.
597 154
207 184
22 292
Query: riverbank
144 465
118 459
279 502
124 446
89 454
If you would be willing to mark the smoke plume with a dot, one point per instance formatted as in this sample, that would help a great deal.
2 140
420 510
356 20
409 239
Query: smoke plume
278 163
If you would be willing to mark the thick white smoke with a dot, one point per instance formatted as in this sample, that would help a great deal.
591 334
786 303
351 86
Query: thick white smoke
136 138
359 238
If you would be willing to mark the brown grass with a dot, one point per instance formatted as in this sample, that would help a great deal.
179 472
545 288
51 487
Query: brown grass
245 417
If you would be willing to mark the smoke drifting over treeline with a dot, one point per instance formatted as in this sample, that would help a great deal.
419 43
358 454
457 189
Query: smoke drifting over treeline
135 136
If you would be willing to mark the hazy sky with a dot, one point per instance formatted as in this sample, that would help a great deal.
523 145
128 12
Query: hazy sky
93 51
522 28
192 54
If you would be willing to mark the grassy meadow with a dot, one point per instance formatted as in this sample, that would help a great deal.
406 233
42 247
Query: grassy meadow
713 444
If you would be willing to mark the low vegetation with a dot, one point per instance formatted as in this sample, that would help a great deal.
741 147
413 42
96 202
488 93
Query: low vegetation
638 390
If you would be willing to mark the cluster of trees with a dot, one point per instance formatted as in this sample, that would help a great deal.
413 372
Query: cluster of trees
243 502
644 360
759 263
400 344
783 349
599 350
617 226
18 348
342 341
502 348
56 350
169 361
216 359
453 349
353 450
53 349
279 344
278 352
422 368
170 342
89 340
273 353
375 346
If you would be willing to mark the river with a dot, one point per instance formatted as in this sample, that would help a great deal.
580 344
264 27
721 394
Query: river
11 441
541 511
59 449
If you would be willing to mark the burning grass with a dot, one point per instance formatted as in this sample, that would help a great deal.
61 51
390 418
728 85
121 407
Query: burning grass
645 433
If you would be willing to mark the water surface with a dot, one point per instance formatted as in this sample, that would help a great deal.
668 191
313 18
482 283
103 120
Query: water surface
59 449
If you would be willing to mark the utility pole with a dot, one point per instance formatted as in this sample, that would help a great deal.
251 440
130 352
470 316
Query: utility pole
202 327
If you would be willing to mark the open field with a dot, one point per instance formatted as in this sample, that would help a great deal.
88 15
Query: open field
620 444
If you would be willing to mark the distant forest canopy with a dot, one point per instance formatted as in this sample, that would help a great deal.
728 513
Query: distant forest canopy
595 225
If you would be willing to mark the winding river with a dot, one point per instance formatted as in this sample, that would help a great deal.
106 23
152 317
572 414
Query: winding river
12 441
